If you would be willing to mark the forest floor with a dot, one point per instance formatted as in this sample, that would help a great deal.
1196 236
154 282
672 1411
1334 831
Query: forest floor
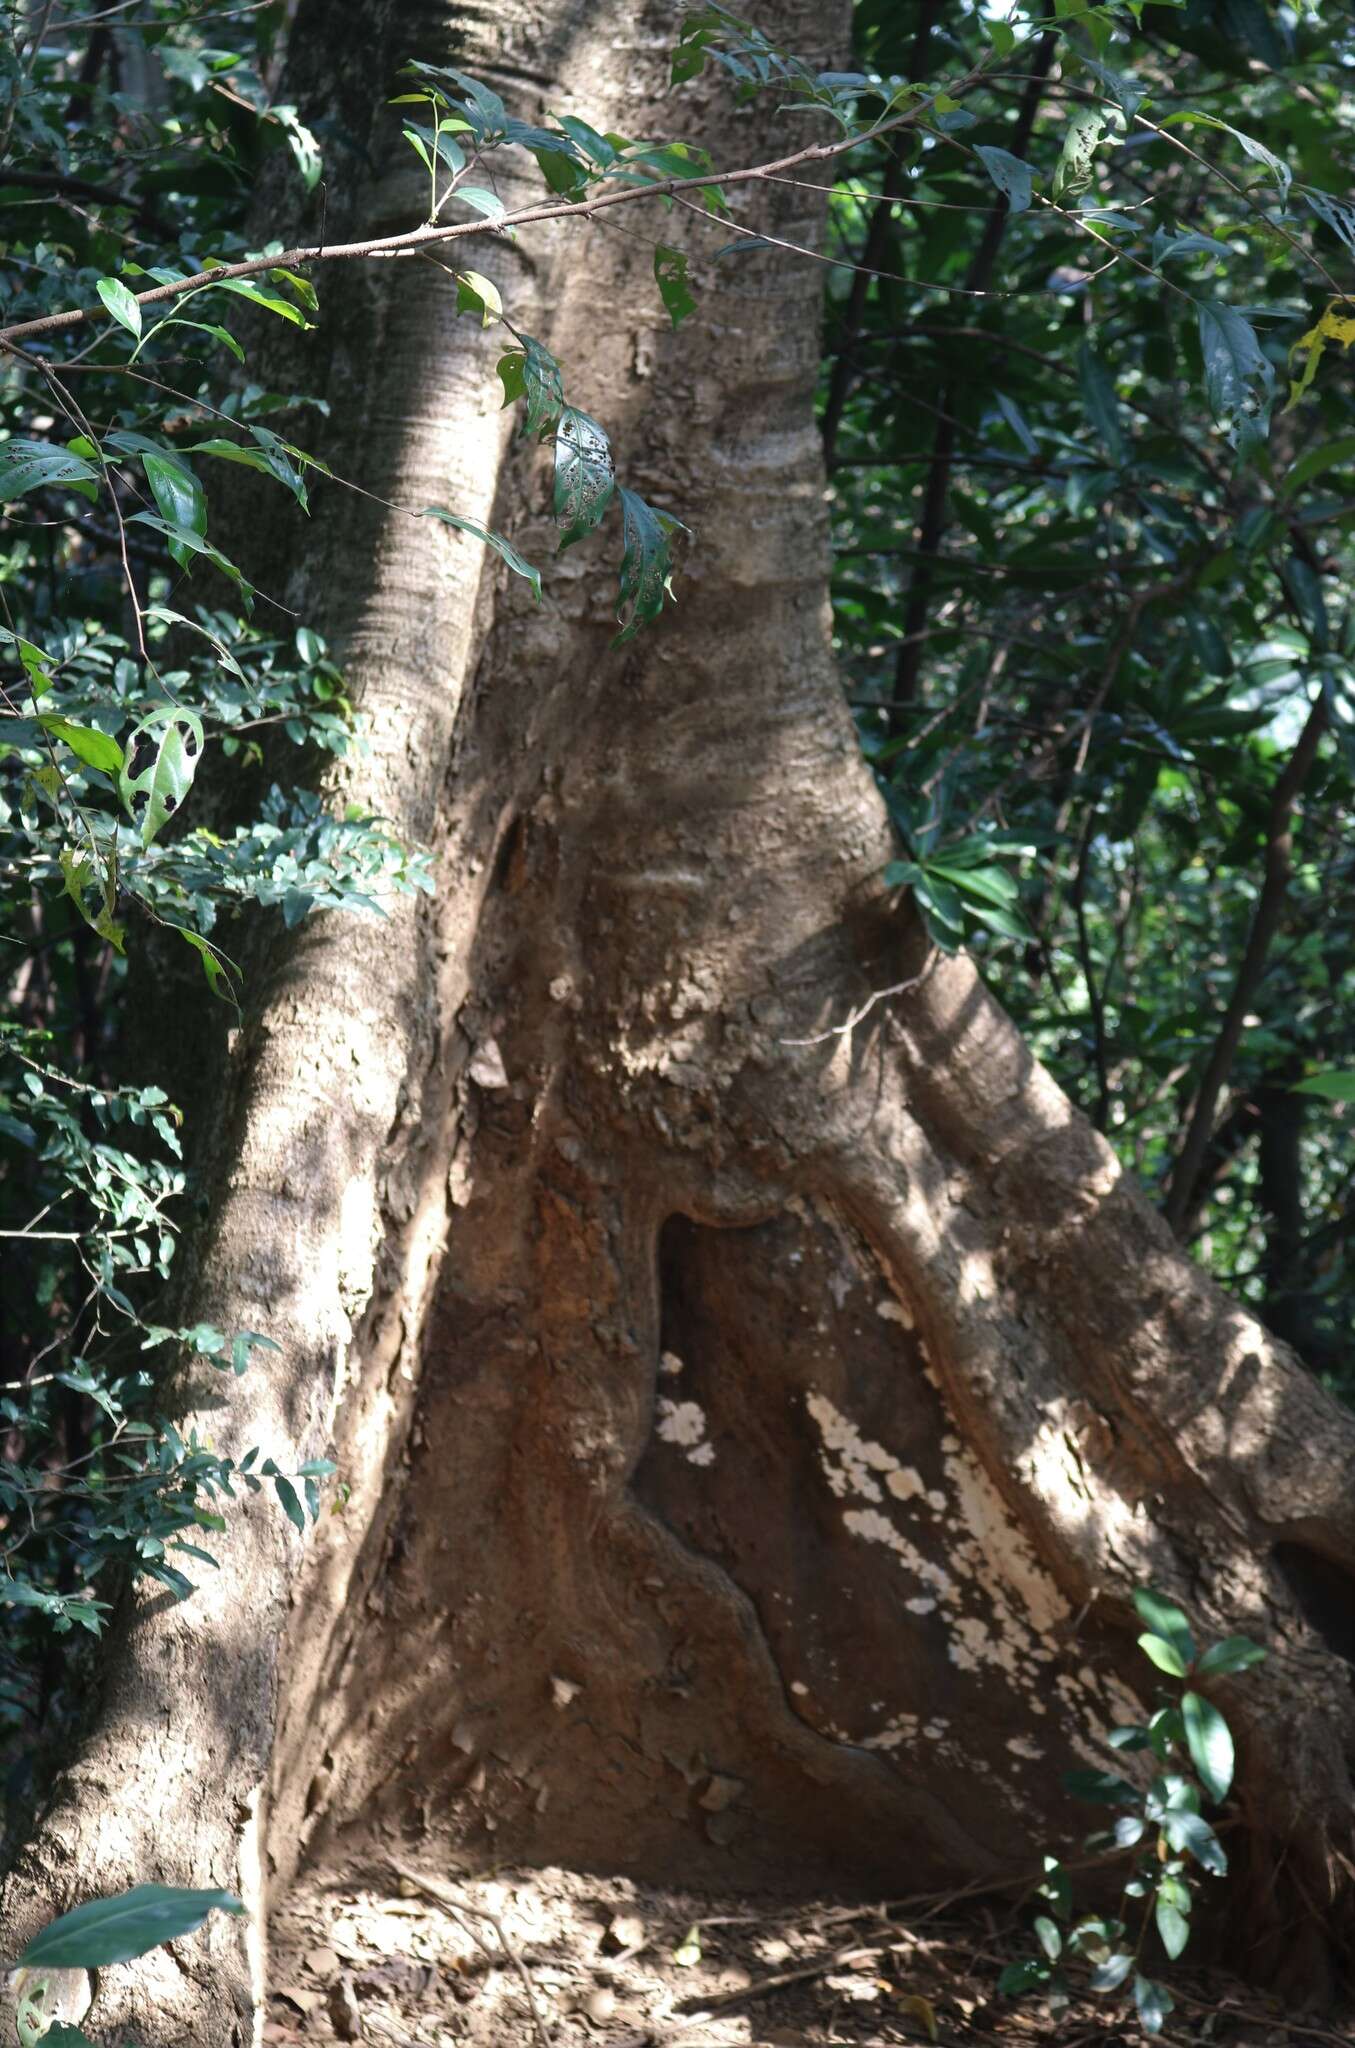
551 1959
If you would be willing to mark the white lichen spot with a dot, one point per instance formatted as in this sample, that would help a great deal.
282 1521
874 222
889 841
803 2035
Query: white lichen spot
891 1311
681 1422
670 1362
901 1731
873 1527
799 1688
921 1603
1023 1746
906 1484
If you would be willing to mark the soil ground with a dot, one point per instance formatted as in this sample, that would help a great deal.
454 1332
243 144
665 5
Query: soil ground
611 1964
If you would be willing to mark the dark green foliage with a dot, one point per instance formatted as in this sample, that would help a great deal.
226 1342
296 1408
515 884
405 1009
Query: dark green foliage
1092 580
1161 1839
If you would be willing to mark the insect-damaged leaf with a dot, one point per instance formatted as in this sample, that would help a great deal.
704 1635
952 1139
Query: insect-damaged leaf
1233 361
646 564
532 375
28 465
584 478
166 781
670 274
1012 177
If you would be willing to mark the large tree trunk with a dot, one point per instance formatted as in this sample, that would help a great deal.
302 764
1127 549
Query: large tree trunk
755 1428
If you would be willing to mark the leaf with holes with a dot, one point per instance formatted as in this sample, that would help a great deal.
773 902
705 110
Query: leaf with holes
1087 128
1014 179
670 274
1235 369
31 465
166 781
532 376
646 563
584 478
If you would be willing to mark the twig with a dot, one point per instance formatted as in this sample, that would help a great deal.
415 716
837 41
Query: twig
1270 908
800 1976
863 1010
418 238
459 1907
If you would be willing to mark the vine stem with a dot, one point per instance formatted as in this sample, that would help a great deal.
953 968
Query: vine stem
415 240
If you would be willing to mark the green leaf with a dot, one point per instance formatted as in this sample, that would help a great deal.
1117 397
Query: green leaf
1172 1925
121 304
243 288
1165 1655
179 495
1187 1831
482 201
1103 1788
291 1506
1165 1619
1233 359
165 782
31 465
1154 2002
477 294
1239 1653
503 548
118 1929
584 478
1257 151
1333 1087
1019 1977
1102 405
1210 1744
1048 1936
1007 922
670 274
646 564
85 741
1110 1974
1013 178
218 969
990 884
533 375
196 545
1086 128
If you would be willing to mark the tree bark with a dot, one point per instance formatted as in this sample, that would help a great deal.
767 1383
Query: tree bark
755 1429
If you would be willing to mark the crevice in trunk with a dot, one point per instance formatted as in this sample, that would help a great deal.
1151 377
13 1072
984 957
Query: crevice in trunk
1324 1590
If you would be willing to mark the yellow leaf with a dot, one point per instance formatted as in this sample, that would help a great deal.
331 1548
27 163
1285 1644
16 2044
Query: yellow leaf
921 2010
1333 326
688 1951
